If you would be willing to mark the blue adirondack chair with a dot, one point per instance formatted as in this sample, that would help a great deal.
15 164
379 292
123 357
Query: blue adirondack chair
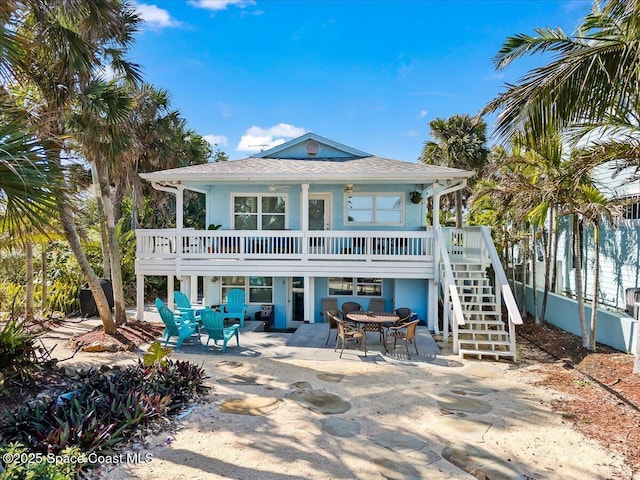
213 324
235 306
175 328
183 305
160 304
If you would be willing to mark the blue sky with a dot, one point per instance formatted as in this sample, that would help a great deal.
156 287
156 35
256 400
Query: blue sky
249 74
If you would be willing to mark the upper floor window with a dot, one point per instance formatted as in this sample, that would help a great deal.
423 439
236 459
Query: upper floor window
259 212
378 209
632 209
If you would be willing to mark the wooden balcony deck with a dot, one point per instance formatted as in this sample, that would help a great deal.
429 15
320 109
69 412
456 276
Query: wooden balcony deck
400 254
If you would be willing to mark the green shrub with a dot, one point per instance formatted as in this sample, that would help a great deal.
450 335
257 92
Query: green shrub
105 410
26 465
17 357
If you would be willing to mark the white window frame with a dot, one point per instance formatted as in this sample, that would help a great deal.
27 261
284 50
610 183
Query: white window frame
634 207
246 287
373 197
354 288
259 213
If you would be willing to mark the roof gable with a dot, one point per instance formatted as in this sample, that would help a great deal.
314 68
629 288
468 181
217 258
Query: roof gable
312 147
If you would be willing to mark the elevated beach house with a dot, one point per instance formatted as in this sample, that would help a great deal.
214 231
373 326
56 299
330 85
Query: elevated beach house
313 219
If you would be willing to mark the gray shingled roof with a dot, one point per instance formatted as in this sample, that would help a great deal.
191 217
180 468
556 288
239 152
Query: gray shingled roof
371 169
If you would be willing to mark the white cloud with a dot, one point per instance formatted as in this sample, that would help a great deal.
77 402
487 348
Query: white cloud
422 114
216 5
155 17
217 140
411 133
257 139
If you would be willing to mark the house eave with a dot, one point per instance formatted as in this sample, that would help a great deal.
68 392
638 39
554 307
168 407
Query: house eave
380 178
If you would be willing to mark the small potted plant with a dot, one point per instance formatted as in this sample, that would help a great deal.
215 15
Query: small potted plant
415 196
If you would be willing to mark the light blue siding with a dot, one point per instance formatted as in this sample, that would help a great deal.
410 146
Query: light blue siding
619 261
219 207
613 329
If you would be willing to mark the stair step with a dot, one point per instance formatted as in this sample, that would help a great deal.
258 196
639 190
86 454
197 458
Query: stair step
470 335
486 353
466 282
480 314
472 303
473 275
490 343
473 321
462 329
470 267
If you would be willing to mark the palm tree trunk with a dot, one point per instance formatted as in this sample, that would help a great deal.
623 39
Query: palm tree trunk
458 208
554 264
71 234
114 251
523 290
578 276
106 264
596 286
534 261
28 313
43 268
547 247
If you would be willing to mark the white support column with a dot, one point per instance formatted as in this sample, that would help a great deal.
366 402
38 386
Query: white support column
304 208
432 314
140 297
436 206
170 290
435 284
193 294
180 208
309 300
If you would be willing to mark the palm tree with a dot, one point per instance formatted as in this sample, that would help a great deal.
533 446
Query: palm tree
459 142
592 79
62 45
99 130
28 185
589 87
159 139
28 181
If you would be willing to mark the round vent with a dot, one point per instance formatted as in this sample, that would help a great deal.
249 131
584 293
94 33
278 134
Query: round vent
311 148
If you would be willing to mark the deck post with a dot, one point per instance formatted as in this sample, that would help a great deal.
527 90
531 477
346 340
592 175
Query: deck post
140 297
170 289
309 288
432 309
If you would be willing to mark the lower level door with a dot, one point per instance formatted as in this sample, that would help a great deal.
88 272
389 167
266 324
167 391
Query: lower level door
296 302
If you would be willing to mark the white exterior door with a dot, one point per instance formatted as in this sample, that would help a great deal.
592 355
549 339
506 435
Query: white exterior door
319 211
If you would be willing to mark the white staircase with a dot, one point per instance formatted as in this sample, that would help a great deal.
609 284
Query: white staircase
484 333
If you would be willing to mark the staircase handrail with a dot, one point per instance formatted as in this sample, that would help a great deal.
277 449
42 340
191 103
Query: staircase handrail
501 278
449 289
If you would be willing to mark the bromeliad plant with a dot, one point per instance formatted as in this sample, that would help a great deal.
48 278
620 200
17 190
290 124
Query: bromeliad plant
105 410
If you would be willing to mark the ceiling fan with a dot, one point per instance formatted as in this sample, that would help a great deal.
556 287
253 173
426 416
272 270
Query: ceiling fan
273 188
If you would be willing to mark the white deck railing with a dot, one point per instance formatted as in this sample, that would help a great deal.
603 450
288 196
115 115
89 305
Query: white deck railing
314 245
476 244
452 307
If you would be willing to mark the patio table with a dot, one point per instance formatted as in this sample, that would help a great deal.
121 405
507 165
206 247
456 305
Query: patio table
379 318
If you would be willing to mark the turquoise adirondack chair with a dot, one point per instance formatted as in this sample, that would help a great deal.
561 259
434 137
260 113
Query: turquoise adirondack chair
235 306
178 315
213 324
183 305
175 328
